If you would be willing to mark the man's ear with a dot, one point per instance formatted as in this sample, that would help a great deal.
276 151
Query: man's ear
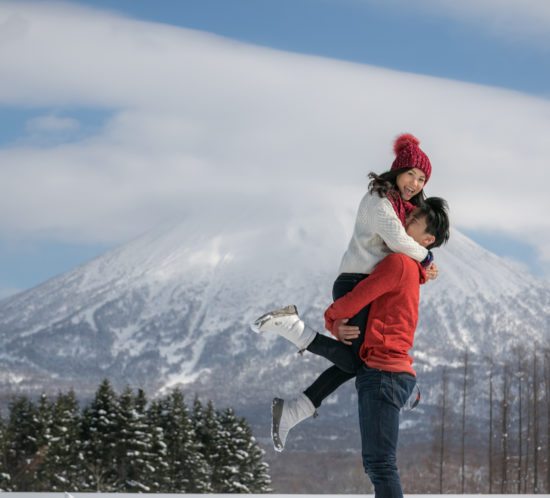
428 240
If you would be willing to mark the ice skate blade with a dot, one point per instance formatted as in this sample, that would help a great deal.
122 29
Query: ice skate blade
276 414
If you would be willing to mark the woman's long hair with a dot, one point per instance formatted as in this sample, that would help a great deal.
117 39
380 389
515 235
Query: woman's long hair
387 182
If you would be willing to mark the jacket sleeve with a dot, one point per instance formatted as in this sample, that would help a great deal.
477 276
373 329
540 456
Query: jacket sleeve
385 277
392 231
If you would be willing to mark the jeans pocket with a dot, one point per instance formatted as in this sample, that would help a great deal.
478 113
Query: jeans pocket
402 386
369 382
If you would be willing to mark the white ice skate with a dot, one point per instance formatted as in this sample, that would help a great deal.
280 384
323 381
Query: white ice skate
286 322
287 414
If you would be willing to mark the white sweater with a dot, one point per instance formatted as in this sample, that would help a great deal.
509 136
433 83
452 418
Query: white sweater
378 231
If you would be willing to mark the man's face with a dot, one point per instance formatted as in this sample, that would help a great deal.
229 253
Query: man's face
416 228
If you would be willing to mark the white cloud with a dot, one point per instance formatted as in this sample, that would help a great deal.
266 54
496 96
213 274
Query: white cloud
525 20
51 123
206 126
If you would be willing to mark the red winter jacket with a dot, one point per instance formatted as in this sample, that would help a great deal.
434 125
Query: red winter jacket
393 290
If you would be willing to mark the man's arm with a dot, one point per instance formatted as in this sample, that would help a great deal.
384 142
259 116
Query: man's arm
384 278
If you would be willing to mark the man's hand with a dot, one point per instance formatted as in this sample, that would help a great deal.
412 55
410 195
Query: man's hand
345 333
432 272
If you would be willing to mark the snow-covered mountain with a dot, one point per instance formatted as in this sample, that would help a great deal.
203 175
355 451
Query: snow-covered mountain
173 307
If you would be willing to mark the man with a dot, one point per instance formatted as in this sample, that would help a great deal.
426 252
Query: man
386 378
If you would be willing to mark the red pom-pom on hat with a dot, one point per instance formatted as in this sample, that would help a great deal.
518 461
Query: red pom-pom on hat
403 141
408 154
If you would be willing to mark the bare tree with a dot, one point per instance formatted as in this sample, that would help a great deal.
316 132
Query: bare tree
519 375
463 448
491 374
442 433
535 423
529 431
504 437
547 393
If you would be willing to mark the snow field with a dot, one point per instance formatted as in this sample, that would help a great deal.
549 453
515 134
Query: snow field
146 495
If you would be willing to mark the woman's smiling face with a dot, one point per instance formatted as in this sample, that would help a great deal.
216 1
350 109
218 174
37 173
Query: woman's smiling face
410 183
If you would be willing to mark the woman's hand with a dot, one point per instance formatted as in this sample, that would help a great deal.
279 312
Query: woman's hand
432 272
345 333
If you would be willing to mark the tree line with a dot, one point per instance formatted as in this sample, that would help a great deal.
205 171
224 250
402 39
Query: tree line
124 443
491 427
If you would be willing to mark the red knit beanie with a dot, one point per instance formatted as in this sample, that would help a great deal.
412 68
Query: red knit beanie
409 155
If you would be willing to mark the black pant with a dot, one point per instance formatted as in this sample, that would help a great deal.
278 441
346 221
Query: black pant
345 358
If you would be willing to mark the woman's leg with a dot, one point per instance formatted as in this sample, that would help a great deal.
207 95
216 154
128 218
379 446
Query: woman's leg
287 414
342 355
324 385
345 283
345 358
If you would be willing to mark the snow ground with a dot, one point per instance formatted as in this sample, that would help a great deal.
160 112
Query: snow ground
145 495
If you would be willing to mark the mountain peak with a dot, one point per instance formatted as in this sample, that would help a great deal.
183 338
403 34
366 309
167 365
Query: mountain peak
174 304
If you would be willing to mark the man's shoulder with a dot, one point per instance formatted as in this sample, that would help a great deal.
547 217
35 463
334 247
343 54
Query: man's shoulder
396 260
392 263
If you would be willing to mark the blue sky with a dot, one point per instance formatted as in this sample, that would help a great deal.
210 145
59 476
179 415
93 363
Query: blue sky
386 34
56 129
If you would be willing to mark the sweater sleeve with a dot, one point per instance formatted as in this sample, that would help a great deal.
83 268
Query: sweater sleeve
385 277
392 231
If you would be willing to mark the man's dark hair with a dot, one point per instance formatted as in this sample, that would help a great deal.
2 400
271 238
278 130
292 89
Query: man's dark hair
436 212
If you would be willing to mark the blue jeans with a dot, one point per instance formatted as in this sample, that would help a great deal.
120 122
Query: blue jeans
381 395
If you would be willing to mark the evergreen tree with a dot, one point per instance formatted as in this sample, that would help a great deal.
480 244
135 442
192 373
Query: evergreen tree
125 448
119 444
158 479
62 466
208 433
134 457
260 480
43 420
5 478
99 436
227 473
147 463
189 470
22 447
240 467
